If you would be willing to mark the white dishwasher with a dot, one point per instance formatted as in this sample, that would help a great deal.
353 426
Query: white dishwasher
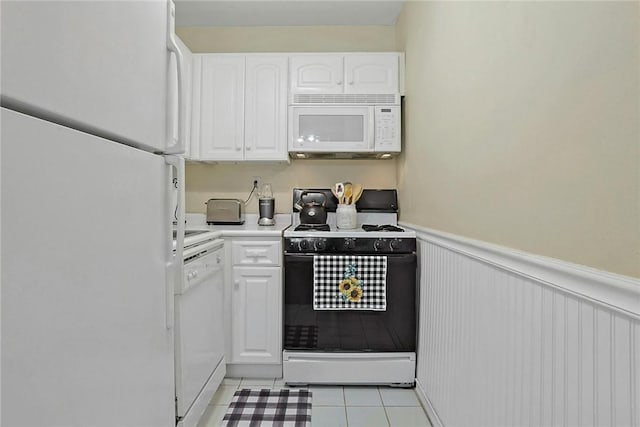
199 332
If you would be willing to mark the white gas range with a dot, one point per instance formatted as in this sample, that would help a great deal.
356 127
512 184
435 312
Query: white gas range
332 339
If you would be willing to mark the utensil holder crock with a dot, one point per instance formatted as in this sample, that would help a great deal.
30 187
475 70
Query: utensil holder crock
346 216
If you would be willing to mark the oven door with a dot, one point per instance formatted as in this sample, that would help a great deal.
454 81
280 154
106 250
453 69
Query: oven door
335 129
393 330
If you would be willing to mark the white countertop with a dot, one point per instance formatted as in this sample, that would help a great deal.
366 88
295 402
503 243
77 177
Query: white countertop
249 228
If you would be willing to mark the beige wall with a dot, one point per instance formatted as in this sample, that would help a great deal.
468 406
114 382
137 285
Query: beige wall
522 126
229 180
289 39
235 181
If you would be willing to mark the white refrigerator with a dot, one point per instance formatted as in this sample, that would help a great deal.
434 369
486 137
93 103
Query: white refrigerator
89 138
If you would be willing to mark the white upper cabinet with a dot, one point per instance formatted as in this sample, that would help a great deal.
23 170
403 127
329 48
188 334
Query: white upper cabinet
221 117
239 107
265 114
370 73
317 74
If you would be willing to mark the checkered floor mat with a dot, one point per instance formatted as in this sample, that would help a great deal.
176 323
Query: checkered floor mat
277 408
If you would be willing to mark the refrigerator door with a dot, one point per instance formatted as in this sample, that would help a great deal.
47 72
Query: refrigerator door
85 249
105 67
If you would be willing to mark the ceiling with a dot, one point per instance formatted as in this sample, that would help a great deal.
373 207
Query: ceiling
219 13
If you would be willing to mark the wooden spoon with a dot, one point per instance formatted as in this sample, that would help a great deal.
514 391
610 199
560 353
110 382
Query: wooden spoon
348 192
357 192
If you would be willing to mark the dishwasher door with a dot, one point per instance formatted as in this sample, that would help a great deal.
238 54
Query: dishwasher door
199 328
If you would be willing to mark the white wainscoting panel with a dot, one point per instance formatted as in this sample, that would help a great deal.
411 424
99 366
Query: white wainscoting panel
501 344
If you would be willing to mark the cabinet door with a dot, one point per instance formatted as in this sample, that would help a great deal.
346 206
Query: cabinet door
266 108
256 324
221 129
314 74
372 73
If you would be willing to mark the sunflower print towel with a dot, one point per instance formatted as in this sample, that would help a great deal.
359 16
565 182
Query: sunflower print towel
346 282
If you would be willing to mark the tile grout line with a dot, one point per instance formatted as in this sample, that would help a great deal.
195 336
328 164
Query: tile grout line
384 407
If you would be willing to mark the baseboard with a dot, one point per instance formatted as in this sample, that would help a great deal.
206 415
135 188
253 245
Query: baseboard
254 371
428 407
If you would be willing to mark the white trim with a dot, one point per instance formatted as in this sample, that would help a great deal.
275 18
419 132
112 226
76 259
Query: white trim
311 367
195 412
254 370
620 293
427 406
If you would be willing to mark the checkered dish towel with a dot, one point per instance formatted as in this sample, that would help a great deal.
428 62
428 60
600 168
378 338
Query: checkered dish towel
346 282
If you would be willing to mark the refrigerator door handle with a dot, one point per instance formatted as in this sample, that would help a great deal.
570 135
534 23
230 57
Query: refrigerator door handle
172 46
175 264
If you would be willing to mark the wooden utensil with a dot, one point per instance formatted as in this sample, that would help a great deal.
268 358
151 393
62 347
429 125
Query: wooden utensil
339 192
348 192
357 192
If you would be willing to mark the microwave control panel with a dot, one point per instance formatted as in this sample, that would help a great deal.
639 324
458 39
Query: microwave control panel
387 128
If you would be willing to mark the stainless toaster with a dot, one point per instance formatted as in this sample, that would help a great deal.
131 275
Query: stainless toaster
225 211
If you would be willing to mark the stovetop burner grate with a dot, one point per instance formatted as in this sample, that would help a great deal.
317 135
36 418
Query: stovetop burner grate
384 227
312 227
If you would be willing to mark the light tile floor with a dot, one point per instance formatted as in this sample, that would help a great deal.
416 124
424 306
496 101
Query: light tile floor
334 406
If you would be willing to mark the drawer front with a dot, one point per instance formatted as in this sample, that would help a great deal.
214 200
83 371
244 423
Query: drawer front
257 252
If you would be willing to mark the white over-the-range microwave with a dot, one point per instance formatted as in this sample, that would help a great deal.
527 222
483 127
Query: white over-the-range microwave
339 130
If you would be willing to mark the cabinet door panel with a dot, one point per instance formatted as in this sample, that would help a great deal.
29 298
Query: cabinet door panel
316 74
222 108
256 317
266 108
371 73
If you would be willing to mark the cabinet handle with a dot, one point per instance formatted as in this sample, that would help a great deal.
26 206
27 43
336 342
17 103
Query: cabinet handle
339 82
236 284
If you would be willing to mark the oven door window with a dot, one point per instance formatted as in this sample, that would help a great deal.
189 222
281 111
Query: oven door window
350 330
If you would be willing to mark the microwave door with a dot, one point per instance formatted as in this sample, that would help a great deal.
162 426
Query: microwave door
332 129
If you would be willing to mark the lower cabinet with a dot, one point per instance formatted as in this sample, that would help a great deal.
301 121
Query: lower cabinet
254 304
256 319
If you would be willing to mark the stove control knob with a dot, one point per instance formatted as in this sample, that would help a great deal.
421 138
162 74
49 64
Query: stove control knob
304 245
378 245
349 243
321 244
395 244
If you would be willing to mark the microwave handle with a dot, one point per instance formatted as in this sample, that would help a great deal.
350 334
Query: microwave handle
372 128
